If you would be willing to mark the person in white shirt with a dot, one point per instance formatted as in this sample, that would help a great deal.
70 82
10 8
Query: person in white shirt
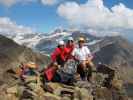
83 55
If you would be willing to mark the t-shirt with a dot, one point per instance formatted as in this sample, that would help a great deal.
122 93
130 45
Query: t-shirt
81 53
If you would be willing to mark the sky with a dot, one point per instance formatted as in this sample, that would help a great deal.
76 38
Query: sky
102 17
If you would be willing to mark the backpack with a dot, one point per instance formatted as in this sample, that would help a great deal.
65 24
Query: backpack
67 72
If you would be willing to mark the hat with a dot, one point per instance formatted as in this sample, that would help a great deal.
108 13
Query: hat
70 39
31 65
61 42
81 39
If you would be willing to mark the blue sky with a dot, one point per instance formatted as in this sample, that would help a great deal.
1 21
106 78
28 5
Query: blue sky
45 18
110 3
37 15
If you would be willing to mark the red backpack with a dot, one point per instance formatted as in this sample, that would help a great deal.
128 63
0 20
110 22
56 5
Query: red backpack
49 72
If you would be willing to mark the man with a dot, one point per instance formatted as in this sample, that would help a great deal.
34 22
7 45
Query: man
83 55
70 47
60 54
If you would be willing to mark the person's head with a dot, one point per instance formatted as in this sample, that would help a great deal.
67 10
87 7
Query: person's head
81 41
31 65
55 65
70 41
61 44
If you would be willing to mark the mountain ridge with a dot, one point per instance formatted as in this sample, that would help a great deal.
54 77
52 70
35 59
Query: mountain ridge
110 50
12 55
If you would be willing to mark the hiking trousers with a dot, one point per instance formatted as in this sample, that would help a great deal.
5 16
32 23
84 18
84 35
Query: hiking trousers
85 71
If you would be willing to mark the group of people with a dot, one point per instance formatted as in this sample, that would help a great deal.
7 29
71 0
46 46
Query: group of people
64 52
70 62
70 51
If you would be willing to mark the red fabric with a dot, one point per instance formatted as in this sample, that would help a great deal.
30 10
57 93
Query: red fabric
50 72
69 51
59 52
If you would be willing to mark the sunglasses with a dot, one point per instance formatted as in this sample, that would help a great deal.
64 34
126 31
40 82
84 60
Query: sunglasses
62 45
70 40
81 41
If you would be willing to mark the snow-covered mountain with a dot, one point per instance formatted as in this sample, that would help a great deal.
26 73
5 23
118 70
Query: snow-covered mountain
47 42
29 40
50 42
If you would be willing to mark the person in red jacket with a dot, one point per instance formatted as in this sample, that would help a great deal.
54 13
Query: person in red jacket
70 47
60 54
50 73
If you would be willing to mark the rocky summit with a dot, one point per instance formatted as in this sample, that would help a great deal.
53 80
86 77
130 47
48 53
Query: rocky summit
102 86
81 90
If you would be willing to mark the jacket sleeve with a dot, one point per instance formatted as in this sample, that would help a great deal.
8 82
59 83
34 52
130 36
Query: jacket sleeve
54 55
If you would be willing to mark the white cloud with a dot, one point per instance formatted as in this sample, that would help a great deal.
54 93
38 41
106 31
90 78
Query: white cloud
9 3
96 16
49 2
8 26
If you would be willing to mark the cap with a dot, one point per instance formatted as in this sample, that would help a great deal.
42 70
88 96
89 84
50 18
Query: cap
70 39
61 42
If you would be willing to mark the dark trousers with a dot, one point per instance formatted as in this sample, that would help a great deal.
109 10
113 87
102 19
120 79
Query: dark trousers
60 61
84 73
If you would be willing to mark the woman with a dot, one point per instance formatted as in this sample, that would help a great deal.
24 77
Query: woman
83 55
